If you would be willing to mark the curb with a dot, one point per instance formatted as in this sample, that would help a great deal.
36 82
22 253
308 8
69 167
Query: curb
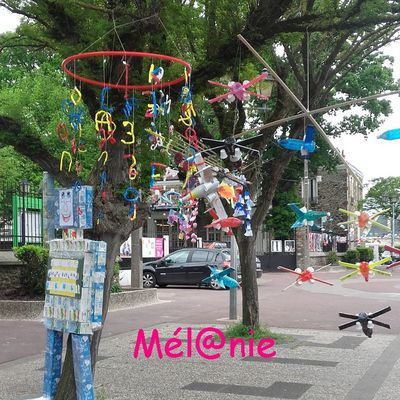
33 310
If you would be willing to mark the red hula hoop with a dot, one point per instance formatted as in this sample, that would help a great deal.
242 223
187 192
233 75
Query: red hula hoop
79 56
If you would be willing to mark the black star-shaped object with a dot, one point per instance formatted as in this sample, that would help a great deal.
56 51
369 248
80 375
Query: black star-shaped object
365 320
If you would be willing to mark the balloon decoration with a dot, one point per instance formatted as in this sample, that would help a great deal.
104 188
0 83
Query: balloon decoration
305 217
304 276
221 277
365 321
365 269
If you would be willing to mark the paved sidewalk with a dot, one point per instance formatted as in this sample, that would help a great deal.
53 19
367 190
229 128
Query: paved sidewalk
328 365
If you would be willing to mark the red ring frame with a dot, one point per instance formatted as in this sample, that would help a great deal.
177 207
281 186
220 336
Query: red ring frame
138 54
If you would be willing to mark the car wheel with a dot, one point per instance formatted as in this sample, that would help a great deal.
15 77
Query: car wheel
214 285
149 280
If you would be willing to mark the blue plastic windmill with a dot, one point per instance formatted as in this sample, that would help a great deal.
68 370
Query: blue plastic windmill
221 276
306 145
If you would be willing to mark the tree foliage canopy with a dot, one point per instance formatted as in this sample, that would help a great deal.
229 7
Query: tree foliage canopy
383 194
325 51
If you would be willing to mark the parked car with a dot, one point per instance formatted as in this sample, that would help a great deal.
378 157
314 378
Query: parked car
259 270
183 267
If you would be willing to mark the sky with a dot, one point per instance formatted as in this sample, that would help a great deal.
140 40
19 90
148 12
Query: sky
373 157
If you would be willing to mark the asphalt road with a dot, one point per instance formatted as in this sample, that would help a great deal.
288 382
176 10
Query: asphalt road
307 307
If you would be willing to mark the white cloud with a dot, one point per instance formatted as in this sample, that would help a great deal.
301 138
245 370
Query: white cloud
376 157
8 20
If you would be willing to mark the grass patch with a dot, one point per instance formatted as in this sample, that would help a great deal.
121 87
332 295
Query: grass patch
242 331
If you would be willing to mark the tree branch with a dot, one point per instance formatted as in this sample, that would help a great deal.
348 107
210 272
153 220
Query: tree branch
30 146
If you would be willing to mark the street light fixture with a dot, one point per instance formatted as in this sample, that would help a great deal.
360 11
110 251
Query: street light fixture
393 199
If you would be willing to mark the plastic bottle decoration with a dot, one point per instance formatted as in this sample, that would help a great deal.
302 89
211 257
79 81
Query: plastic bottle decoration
364 220
247 214
365 321
305 146
173 217
365 269
239 209
221 277
393 250
304 276
307 217
238 91
392 134
231 149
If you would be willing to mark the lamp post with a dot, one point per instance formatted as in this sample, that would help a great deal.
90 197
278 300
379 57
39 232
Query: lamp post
393 199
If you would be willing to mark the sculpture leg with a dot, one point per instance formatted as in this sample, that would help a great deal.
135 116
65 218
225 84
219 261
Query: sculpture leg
82 367
52 364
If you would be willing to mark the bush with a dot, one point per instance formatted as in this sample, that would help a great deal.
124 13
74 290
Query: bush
332 257
115 286
351 256
33 277
365 253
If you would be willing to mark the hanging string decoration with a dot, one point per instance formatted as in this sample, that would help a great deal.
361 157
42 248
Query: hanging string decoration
158 106
74 111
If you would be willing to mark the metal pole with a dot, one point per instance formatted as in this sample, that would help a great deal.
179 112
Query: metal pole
307 205
233 291
393 210
136 259
299 103
316 111
23 214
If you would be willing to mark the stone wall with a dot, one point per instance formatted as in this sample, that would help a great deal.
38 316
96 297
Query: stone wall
10 278
332 195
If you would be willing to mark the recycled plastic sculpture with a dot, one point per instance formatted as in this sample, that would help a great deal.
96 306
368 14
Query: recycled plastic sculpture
365 321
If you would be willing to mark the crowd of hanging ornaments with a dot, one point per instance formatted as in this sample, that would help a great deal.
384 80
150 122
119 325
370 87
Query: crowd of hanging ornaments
197 164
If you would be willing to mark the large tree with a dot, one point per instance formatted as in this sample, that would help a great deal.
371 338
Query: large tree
343 37
383 194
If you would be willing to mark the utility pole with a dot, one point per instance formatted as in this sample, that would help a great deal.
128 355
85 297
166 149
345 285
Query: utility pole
306 205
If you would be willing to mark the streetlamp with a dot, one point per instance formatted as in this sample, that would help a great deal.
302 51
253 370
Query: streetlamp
393 199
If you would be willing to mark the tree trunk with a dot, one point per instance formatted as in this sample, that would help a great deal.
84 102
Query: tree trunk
247 252
66 387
